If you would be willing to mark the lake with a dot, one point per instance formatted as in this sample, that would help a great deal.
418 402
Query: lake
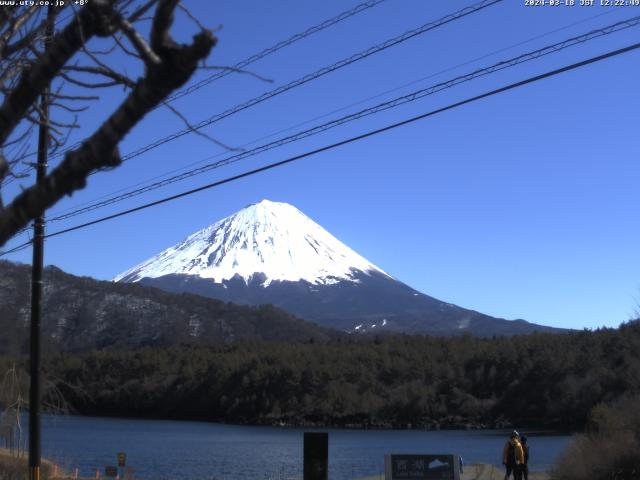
160 449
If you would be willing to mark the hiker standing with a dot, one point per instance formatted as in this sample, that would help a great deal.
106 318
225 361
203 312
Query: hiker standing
525 451
513 457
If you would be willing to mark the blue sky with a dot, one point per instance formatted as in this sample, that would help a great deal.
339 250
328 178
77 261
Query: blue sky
522 205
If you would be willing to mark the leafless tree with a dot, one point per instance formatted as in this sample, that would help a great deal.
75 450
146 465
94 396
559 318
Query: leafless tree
72 59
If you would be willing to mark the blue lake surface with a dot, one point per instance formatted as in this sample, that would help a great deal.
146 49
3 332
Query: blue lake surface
160 449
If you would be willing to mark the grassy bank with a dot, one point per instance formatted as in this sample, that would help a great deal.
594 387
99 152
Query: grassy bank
14 466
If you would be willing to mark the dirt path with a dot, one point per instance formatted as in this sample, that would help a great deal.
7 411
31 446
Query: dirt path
492 472
480 472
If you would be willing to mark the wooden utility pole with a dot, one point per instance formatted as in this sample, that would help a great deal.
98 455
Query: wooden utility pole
35 392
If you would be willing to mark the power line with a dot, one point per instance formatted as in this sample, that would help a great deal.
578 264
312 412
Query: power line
323 71
311 76
278 46
411 97
247 61
22 246
363 136
317 74
360 102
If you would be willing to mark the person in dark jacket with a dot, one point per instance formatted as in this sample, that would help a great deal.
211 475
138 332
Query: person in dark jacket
513 457
525 451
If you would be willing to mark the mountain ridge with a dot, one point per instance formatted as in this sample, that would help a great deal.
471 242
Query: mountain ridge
81 313
374 305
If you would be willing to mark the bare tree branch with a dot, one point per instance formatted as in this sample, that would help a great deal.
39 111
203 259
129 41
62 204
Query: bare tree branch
100 150
4 170
137 15
91 20
145 51
104 71
161 41
124 48
20 138
76 98
68 108
7 50
195 130
193 18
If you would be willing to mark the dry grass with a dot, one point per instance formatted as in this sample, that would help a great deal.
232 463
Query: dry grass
609 449
600 457
16 468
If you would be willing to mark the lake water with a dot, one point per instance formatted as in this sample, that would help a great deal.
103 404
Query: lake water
159 449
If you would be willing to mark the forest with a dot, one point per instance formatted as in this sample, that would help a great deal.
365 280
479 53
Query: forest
538 380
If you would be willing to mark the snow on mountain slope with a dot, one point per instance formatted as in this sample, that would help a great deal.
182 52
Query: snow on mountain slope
272 238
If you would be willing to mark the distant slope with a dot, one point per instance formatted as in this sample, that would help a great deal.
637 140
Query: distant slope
372 303
81 313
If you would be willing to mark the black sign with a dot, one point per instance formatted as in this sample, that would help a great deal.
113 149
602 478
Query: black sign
111 471
422 467
316 456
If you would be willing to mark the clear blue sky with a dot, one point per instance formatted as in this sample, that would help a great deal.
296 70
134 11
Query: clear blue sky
523 205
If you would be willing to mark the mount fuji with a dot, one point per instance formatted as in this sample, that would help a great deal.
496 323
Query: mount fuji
271 253
272 241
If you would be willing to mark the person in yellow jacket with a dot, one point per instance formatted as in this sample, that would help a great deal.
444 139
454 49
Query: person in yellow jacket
513 457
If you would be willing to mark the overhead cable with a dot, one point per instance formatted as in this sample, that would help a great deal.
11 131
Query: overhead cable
249 60
317 74
347 141
387 105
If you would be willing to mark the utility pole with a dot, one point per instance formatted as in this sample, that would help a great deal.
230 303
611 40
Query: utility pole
35 392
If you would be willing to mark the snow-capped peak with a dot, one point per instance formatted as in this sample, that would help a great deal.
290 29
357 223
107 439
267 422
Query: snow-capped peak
271 238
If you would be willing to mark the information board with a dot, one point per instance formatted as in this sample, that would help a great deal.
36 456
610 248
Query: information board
422 467
111 471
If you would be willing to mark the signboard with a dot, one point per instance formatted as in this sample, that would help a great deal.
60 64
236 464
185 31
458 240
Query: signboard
122 457
422 467
110 471
316 456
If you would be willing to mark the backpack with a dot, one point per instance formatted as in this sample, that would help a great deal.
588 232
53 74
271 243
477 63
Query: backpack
511 454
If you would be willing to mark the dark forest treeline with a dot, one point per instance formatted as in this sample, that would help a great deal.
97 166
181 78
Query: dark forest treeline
534 380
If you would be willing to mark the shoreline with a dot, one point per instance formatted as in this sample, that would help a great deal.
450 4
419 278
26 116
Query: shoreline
480 471
381 425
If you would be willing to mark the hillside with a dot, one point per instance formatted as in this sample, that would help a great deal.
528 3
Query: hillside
81 313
